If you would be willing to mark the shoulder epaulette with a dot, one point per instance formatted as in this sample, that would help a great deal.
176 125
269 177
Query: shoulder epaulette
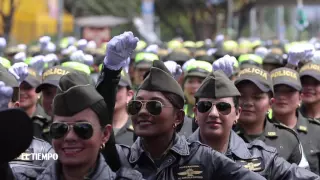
260 144
314 121
285 127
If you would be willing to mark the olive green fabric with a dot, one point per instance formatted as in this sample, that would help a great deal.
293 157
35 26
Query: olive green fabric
75 94
274 57
217 85
258 76
160 79
52 76
179 55
310 69
287 77
33 78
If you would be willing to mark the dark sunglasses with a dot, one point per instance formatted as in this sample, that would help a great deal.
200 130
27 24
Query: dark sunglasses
153 107
83 130
223 107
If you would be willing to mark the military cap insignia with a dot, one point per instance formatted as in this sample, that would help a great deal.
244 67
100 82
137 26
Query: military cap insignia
189 172
255 164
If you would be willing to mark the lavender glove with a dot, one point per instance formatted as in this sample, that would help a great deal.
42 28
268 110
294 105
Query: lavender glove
119 50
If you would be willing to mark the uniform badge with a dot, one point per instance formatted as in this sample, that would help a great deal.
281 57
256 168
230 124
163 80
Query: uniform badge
189 172
272 134
46 130
302 128
255 165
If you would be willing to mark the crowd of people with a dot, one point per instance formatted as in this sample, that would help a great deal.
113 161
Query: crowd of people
212 109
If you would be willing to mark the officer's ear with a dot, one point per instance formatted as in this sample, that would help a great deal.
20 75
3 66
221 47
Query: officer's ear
106 132
14 104
272 101
130 94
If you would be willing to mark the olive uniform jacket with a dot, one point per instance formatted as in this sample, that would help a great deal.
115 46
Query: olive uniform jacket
260 158
277 135
184 160
308 131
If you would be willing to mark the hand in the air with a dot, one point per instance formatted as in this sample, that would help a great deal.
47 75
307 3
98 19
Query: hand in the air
225 64
295 55
174 68
119 50
37 63
19 71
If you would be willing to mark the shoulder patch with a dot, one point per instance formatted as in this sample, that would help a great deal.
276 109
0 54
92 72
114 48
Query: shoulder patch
189 172
255 164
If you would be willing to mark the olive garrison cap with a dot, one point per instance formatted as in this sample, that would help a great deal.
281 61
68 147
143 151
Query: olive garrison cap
7 78
75 94
160 79
256 75
286 76
217 85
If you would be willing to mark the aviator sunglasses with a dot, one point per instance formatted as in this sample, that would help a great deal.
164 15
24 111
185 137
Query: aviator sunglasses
153 107
222 107
84 130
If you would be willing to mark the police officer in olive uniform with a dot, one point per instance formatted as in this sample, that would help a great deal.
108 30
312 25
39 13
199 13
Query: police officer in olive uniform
171 157
121 123
194 74
29 101
48 88
308 128
276 135
217 109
